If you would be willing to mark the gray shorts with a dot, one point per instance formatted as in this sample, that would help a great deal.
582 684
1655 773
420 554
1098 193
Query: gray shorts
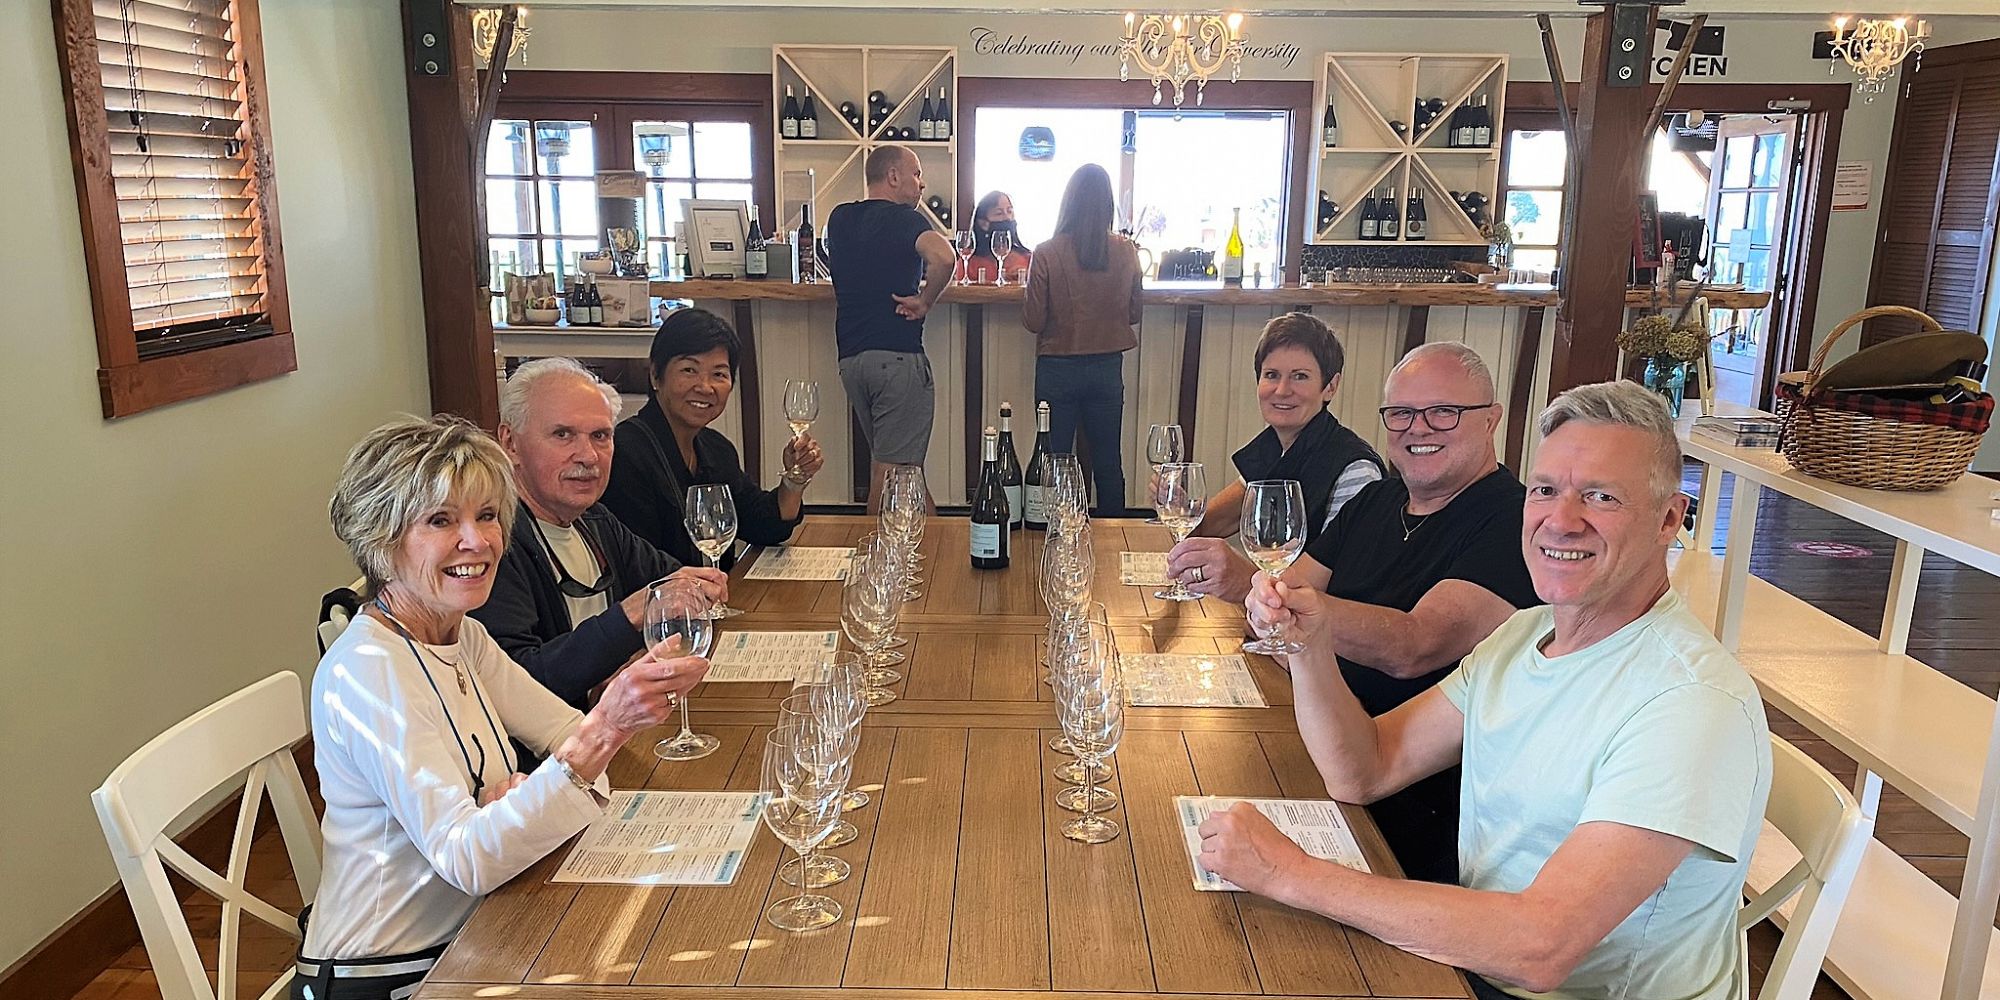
895 400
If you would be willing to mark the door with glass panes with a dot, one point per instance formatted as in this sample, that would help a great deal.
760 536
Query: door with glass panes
1749 187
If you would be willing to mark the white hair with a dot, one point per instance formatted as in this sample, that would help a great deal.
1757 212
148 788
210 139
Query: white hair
520 386
1623 404
1467 358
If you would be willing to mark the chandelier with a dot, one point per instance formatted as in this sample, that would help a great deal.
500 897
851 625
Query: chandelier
1876 47
486 33
1177 48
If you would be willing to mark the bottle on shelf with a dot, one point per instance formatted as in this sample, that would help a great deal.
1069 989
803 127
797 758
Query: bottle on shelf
756 255
1389 217
927 120
593 302
1327 210
941 123
1034 514
877 101
573 302
1232 250
1010 469
1482 125
1415 221
808 269
1461 127
989 509
1421 118
809 119
788 119
1371 225
1329 127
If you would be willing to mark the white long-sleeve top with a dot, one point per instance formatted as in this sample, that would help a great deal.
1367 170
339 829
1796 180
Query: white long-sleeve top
409 851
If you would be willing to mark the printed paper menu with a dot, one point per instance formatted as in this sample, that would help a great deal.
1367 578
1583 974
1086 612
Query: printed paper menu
1190 680
768 656
1316 825
665 838
1142 569
801 562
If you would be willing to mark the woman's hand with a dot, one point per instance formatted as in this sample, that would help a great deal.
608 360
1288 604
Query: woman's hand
803 458
492 793
1209 566
643 695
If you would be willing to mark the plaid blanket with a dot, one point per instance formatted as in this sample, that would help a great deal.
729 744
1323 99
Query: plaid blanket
1973 415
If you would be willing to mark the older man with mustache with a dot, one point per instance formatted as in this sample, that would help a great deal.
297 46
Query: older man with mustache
569 600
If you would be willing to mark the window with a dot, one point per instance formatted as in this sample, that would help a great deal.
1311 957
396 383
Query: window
541 196
178 196
1537 161
688 159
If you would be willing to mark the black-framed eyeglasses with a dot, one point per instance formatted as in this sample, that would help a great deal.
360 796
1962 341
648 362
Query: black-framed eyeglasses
1442 417
570 586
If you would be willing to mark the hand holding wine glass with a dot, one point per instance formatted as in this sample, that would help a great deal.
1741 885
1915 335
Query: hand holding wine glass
711 523
676 611
801 409
1180 495
1274 533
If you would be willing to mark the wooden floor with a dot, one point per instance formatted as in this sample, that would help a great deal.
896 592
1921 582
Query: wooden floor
1956 629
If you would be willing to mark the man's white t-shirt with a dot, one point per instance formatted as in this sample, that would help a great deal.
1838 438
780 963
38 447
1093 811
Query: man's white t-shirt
1655 727
567 545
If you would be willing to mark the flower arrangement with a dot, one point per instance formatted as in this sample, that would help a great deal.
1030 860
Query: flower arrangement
1657 336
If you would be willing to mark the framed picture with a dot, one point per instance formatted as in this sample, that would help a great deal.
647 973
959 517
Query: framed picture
713 232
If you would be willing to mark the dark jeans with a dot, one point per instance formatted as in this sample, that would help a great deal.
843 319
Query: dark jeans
1088 389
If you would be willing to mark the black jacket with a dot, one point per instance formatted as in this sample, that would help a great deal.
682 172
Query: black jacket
648 488
527 616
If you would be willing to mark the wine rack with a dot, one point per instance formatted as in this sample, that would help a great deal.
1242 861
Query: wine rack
834 74
1381 142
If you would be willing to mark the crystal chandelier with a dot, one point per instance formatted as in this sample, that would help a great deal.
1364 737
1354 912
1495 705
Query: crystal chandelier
486 33
1876 47
1176 48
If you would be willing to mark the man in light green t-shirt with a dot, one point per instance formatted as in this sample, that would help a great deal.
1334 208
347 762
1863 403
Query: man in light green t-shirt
1616 758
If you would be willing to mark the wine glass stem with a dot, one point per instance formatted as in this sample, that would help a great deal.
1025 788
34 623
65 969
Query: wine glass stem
687 729
801 903
1089 780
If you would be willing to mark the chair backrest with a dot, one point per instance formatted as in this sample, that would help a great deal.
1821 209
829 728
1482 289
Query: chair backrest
336 608
1830 830
250 735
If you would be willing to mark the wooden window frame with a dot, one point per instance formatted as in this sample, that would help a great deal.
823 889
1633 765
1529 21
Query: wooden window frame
126 383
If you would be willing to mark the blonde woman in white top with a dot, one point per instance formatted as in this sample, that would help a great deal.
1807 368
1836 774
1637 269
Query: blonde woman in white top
413 709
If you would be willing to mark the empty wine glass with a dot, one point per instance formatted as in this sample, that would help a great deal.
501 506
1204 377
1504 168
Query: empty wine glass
1003 244
1066 494
842 670
1090 704
1164 443
1274 533
871 601
801 408
676 608
823 712
711 523
1180 494
802 793
963 242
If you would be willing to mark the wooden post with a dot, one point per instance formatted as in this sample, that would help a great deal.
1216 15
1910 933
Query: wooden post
1606 179
451 259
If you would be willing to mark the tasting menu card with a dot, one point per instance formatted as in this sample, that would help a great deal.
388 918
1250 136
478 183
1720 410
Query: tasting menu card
1316 825
801 562
665 838
768 656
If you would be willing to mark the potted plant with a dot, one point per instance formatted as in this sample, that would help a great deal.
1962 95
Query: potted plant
1499 245
1668 347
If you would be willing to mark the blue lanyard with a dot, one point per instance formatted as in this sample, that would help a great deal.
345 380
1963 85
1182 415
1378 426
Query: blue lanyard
478 777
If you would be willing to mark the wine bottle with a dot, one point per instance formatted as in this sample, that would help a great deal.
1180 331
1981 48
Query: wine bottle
1329 127
1421 118
1034 515
1327 211
1414 218
788 120
809 119
1482 130
756 258
1371 226
594 302
876 100
989 509
927 120
1461 127
1232 251
808 269
573 302
941 126
1389 217
1010 468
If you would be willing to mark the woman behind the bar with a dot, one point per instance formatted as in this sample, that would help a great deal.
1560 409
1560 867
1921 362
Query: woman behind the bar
1083 304
994 214
668 446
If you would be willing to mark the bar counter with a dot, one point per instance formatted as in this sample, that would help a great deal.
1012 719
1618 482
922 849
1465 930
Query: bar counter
1192 365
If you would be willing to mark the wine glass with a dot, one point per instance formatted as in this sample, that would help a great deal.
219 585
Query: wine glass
870 602
1164 443
1003 244
711 522
963 242
801 408
842 670
1066 494
1180 494
1090 704
823 712
801 804
1274 533
676 608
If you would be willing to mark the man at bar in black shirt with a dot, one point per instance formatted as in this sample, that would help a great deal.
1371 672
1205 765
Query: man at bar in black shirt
1424 566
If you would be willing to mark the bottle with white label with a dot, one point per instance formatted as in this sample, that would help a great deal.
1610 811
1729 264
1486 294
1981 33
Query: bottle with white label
1034 515
990 540
1010 468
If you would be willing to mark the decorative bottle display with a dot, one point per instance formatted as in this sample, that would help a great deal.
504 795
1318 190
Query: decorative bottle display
927 120
1034 515
1388 222
1232 250
1371 227
1010 468
756 258
941 124
809 119
989 509
1414 219
1329 127
788 120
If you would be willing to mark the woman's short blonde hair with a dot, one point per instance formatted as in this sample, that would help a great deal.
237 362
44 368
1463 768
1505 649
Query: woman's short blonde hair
407 468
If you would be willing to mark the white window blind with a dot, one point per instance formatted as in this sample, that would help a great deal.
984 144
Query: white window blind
186 190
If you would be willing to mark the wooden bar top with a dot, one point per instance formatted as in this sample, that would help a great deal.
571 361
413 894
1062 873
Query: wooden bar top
962 885
1216 294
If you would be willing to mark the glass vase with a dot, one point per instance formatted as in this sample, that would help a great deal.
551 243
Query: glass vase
1668 377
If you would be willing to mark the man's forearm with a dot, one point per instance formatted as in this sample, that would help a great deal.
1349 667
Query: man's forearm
936 280
1390 641
1339 734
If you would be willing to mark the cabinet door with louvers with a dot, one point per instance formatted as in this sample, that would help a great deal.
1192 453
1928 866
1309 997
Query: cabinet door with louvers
1941 195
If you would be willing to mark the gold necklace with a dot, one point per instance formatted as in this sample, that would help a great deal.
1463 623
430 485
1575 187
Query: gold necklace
456 669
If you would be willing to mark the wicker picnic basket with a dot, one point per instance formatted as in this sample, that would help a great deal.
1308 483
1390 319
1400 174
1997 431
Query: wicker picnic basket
1867 441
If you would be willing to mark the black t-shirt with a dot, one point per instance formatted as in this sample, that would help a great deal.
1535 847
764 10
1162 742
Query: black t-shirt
871 249
1475 538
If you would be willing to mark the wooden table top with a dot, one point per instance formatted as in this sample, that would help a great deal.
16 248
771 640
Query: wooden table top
962 884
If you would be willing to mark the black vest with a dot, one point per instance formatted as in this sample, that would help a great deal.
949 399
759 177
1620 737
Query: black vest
1323 449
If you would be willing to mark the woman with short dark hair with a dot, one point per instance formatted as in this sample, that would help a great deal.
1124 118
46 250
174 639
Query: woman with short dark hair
668 446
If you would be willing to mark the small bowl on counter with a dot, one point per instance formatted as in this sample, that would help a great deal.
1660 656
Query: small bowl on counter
542 317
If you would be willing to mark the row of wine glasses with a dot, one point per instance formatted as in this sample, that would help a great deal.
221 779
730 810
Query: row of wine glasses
871 605
807 766
1090 705
964 241
1068 566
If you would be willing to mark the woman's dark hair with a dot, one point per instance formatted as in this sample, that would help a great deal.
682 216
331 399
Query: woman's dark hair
1297 329
688 332
1085 216
982 231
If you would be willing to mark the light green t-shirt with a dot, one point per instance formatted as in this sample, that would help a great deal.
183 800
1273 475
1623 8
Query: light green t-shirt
1655 727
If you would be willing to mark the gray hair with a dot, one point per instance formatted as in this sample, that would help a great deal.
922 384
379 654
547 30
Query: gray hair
1467 358
520 386
1623 404
407 468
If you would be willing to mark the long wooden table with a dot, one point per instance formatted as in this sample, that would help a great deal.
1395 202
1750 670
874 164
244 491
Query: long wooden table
962 883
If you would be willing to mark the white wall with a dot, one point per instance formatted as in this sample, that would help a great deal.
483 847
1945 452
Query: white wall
153 564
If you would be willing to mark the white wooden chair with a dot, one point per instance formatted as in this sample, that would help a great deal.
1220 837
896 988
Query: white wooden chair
1830 829
336 609
248 734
